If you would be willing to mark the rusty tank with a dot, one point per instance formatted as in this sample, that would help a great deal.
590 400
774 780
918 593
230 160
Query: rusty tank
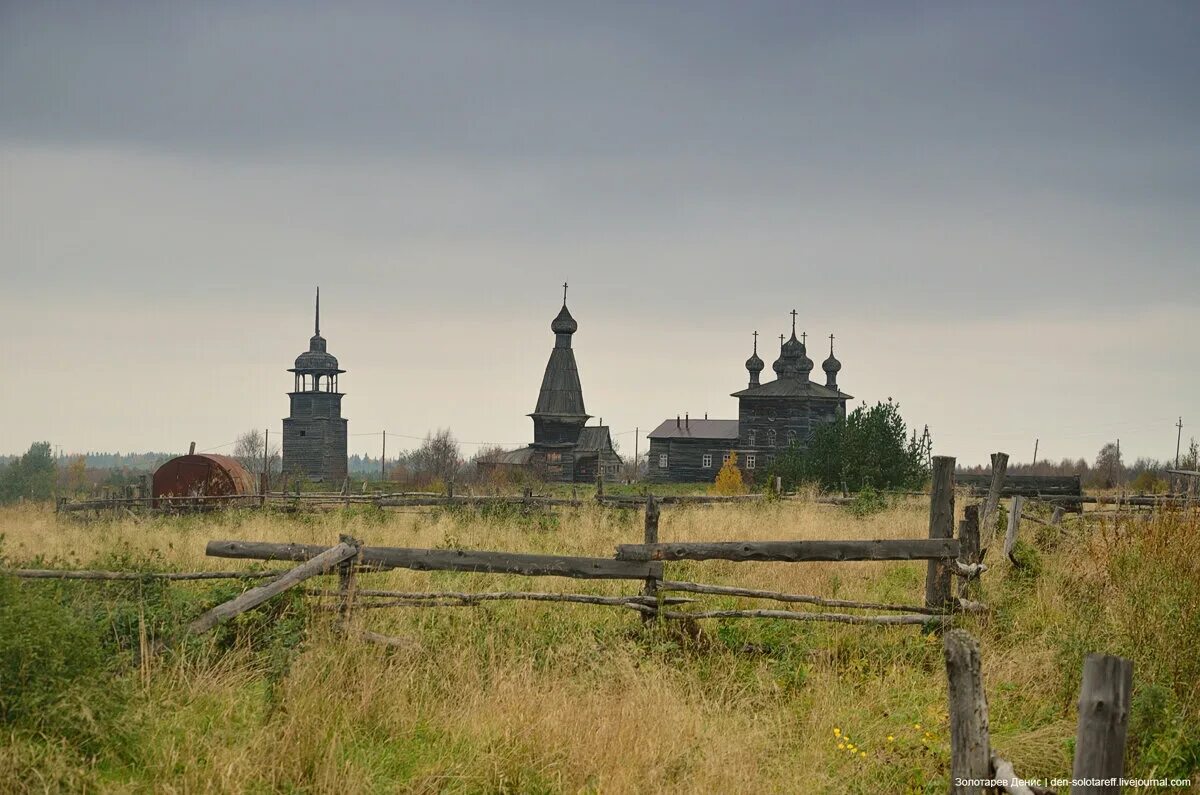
201 475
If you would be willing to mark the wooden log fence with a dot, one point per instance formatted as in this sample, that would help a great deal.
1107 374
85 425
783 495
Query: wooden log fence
1104 700
487 562
794 551
257 595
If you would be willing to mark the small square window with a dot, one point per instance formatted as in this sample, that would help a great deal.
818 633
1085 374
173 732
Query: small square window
706 461
662 460
303 433
725 458
749 462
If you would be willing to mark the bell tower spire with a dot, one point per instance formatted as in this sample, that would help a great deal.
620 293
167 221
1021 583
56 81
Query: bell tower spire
317 318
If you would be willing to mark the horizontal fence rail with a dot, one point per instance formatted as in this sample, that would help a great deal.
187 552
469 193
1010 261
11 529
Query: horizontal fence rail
450 560
795 551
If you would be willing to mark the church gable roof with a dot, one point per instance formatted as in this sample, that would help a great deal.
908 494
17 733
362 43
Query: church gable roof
593 439
696 429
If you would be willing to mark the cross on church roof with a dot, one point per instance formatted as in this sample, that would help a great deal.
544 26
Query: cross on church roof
803 337
793 322
564 293
831 345
756 342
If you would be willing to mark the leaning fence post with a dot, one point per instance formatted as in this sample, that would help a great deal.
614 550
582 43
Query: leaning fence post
987 519
651 537
968 539
970 746
1103 720
346 580
941 525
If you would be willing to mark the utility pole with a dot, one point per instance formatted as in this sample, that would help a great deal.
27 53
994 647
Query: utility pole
637 434
383 460
1035 447
266 477
1178 438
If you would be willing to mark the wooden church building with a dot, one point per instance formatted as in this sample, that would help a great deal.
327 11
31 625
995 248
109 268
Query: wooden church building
565 448
771 417
314 432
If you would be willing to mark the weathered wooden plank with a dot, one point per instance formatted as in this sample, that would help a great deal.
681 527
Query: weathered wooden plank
970 746
1103 720
256 596
795 551
941 525
382 558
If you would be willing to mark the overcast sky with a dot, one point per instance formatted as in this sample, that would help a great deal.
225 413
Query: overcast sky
995 208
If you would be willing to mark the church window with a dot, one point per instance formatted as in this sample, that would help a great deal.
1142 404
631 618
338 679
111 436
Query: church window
791 438
725 458
771 437
553 458
770 415
706 461
750 436
749 462
662 460
303 433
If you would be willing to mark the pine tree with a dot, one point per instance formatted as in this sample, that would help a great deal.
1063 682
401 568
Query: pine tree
729 479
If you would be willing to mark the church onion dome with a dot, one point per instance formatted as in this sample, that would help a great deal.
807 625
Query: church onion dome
316 360
831 365
754 364
564 323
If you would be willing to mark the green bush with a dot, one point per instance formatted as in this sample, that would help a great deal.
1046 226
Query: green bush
55 678
871 447
868 501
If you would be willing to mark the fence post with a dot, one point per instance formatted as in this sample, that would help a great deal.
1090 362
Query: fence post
968 539
346 579
941 525
1014 523
599 486
987 519
970 746
651 537
1103 720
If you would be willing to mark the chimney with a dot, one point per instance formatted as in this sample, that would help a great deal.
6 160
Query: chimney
706 415
685 419
677 425
192 449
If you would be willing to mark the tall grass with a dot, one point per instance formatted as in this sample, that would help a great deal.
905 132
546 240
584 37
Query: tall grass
524 697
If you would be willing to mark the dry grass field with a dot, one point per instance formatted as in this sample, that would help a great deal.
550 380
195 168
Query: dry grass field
526 697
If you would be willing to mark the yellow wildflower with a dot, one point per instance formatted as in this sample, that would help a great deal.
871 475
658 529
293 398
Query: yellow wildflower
890 738
841 746
837 732
863 754
917 726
